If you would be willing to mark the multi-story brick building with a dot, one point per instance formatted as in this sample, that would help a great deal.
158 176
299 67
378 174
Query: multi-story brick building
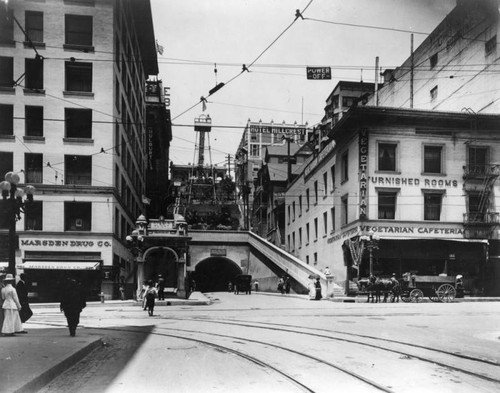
74 124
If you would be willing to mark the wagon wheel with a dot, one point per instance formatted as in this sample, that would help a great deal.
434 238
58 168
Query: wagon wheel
416 295
446 293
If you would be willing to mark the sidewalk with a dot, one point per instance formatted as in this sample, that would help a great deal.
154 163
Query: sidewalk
30 361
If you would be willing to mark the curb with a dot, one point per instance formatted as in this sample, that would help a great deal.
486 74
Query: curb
43 379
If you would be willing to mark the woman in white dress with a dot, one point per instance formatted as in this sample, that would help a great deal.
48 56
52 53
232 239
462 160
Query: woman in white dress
11 306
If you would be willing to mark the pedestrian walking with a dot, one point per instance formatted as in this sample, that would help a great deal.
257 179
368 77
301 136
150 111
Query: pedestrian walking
22 292
288 284
72 303
256 284
122 291
317 286
281 285
161 287
12 321
150 296
2 285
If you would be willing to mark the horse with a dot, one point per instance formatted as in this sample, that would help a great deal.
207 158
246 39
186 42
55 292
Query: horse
375 286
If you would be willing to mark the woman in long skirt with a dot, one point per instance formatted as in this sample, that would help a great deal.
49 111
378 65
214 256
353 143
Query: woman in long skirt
11 306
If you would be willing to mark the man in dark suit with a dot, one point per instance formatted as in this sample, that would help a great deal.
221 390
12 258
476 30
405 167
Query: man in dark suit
22 293
72 303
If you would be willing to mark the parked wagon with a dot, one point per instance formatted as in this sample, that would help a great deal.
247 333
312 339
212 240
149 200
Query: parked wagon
436 288
243 283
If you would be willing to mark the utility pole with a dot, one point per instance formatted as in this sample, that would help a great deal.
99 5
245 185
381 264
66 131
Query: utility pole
411 73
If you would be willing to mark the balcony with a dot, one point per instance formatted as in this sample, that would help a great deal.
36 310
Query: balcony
482 218
481 171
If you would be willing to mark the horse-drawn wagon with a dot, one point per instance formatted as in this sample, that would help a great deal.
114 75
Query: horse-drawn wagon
436 288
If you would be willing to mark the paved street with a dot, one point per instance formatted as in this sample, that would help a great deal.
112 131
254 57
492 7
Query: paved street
285 344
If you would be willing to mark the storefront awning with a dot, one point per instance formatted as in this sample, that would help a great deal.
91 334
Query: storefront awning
62 265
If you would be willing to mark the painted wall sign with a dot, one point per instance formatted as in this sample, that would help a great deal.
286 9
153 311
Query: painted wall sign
218 252
64 243
363 180
319 73
150 147
413 181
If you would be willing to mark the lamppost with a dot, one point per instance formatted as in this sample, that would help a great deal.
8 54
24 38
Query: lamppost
135 243
245 188
14 205
371 243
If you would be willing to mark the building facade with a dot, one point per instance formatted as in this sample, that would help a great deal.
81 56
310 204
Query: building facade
73 124
422 182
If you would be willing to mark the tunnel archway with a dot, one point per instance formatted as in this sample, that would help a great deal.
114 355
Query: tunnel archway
213 274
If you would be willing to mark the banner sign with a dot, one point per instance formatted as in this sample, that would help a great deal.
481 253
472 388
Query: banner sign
363 179
258 129
319 73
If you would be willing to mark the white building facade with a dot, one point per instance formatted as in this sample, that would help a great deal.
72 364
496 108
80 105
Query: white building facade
74 127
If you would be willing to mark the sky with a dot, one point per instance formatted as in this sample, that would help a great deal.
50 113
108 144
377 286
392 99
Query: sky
199 36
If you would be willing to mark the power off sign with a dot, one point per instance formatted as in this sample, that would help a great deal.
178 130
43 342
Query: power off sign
319 73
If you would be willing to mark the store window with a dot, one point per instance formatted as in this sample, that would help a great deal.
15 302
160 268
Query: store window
78 30
78 123
33 120
387 157
433 159
78 77
77 216
33 168
432 206
33 216
6 120
34 26
387 205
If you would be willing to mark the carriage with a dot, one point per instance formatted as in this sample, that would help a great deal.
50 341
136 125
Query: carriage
436 288
243 283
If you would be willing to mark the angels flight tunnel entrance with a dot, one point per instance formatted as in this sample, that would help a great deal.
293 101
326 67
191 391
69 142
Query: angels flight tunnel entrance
214 274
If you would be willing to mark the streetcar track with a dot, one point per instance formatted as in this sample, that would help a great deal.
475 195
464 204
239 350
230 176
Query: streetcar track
244 355
421 358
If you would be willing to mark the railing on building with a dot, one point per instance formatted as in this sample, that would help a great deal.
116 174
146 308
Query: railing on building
481 171
482 218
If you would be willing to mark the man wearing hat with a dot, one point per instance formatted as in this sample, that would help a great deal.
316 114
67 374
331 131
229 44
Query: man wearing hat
11 306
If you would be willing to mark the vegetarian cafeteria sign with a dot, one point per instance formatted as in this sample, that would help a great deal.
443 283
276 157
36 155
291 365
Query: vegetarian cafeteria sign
319 73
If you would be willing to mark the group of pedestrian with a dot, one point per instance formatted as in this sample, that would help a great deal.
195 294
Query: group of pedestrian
284 285
150 291
15 309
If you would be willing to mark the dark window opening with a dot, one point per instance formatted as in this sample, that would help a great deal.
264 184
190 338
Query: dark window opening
434 60
77 216
33 216
78 123
78 169
432 159
78 30
34 73
490 45
432 206
33 167
6 71
79 77
386 157
6 120
386 205
34 26
34 120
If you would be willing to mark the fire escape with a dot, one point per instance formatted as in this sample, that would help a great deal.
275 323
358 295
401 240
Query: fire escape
479 178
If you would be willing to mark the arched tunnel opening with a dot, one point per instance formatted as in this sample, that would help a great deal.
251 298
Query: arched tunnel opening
214 274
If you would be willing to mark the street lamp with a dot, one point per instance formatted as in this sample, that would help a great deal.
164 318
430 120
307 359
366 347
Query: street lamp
14 205
371 243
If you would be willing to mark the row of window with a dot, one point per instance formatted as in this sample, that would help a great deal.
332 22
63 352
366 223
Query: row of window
77 30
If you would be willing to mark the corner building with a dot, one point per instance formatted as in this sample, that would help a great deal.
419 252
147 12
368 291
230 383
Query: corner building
74 127
425 182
